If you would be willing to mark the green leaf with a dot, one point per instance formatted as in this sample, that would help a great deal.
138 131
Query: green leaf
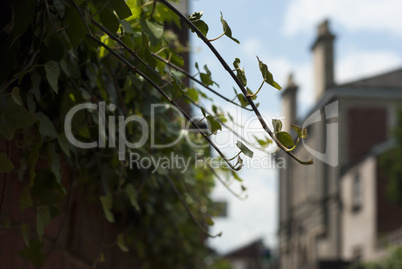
243 101
236 63
277 124
263 143
209 221
193 94
121 8
42 219
25 233
76 29
55 165
15 94
52 74
132 195
195 18
5 164
64 144
268 78
32 160
33 253
285 139
107 202
302 133
121 243
244 149
25 198
213 125
236 176
46 127
153 29
227 30
109 20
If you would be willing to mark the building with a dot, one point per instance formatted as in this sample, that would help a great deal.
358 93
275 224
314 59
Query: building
336 211
253 255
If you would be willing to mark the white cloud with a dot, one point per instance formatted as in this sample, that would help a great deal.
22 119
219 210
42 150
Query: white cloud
360 64
372 15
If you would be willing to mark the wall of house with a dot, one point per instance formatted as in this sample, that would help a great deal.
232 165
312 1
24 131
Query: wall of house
359 223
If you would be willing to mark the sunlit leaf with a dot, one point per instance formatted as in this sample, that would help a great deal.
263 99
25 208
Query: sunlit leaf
285 139
227 30
248 152
302 133
277 124
268 78
213 125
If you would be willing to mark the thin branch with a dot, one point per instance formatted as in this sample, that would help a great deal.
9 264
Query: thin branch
170 100
226 185
82 16
229 128
234 77
189 210
184 72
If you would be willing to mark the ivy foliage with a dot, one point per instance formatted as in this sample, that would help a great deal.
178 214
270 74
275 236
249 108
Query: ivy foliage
122 56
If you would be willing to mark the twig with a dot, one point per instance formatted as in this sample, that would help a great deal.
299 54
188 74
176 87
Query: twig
198 81
189 210
226 185
234 77
170 100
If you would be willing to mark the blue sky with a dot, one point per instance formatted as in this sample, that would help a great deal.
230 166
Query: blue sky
368 41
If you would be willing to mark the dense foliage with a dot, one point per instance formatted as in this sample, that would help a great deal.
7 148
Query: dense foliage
124 57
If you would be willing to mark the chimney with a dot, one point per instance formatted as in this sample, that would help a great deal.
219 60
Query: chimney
323 54
289 104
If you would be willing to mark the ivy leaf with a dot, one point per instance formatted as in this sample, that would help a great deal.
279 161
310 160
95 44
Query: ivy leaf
213 125
107 202
240 74
46 127
236 176
302 133
268 78
193 94
153 30
132 195
76 29
121 243
195 18
52 74
243 101
5 164
55 165
64 144
277 124
109 20
15 94
121 8
227 30
263 143
42 219
33 253
285 139
209 221
25 198
248 152
25 233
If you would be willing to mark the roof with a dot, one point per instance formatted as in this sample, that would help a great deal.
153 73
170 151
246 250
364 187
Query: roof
392 79
252 249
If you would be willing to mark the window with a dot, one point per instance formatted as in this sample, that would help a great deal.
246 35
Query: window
357 192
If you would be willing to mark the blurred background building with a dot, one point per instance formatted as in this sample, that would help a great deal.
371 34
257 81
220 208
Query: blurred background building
337 212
